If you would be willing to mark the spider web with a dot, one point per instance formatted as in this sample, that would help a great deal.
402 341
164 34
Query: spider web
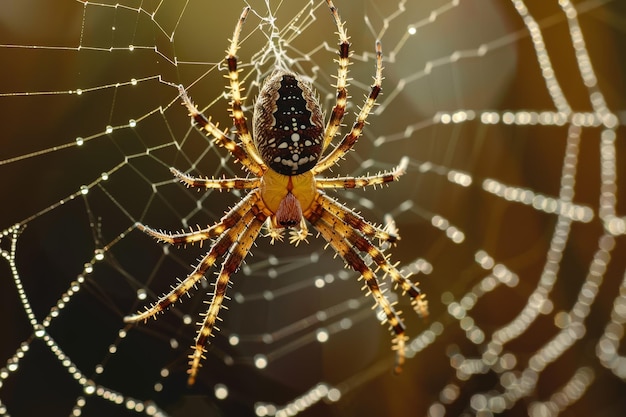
511 215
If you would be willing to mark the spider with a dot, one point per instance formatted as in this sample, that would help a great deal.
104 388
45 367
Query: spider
283 155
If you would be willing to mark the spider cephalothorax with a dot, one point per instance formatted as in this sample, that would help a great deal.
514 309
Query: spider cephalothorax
289 146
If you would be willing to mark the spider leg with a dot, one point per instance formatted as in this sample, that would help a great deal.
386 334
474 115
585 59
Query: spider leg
364 181
219 248
274 231
361 243
342 77
236 88
354 220
231 218
214 183
350 139
299 234
232 262
319 218
296 234
221 139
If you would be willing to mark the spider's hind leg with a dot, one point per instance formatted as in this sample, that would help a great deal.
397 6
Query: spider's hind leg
236 89
221 139
365 181
342 79
216 183
351 138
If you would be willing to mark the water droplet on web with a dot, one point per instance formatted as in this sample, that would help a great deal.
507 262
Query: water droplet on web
40 331
221 391
260 361
142 294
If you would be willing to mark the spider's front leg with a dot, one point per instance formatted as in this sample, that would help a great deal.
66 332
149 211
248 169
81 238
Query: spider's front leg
351 218
226 222
360 242
235 243
232 262
218 249
354 220
337 237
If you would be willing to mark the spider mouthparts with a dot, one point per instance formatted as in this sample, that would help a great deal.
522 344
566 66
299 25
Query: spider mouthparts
289 212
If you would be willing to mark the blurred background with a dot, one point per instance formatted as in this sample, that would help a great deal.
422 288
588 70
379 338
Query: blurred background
511 213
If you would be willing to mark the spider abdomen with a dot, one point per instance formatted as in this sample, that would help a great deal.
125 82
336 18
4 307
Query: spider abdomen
288 125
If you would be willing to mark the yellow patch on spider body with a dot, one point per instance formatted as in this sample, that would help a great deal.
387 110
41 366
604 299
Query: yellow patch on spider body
278 190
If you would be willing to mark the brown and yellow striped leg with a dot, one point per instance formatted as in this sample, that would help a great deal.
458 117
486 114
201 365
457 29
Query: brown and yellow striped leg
221 139
338 242
216 183
354 220
219 248
364 181
361 243
350 139
229 267
231 218
342 76
236 88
